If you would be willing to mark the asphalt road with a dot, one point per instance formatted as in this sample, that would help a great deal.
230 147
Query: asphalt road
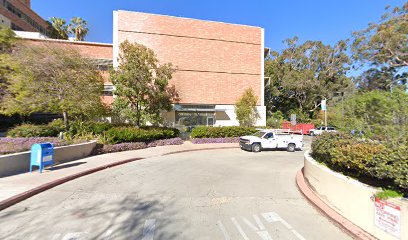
213 194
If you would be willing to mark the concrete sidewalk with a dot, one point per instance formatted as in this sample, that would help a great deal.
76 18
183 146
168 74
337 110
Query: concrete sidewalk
21 183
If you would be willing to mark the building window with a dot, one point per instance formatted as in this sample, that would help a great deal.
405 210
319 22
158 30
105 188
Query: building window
190 118
24 16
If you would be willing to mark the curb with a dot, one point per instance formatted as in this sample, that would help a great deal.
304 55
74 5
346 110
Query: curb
196 150
25 195
349 227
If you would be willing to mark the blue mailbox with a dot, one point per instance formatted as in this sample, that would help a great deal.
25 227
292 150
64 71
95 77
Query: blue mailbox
42 155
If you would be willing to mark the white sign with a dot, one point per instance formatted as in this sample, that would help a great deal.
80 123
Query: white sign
323 105
387 217
293 119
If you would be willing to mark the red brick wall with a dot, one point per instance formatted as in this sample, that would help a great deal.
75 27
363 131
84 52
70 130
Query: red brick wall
216 61
26 2
27 10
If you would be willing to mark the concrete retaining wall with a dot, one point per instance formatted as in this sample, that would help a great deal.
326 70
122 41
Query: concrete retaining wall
20 162
352 199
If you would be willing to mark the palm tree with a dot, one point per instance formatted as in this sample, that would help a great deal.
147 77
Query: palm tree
79 28
59 28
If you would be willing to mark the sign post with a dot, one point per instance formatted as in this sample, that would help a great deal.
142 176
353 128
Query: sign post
324 108
293 119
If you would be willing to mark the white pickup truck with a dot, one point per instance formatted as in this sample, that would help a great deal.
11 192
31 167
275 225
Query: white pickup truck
272 139
320 130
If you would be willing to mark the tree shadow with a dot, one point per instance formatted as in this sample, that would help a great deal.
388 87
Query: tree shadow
104 218
62 166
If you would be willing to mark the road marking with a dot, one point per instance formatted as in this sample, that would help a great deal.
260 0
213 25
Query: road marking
108 234
259 222
244 236
264 235
74 236
259 229
271 217
223 230
148 229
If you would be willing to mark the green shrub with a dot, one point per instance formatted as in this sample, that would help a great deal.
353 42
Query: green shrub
220 132
383 165
133 134
79 128
30 130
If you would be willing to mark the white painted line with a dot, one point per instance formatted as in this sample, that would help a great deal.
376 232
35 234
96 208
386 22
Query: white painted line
108 234
244 236
259 222
223 230
148 229
271 217
264 235
250 224
292 229
74 236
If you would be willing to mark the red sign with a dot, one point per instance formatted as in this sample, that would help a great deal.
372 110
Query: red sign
387 217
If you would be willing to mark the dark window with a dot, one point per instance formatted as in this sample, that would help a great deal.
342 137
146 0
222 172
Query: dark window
23 16
268 135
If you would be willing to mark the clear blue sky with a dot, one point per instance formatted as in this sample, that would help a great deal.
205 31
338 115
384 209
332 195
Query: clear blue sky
325 20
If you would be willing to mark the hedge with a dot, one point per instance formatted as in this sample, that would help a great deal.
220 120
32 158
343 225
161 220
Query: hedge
30 130
78 128
221 132
369 161
133 134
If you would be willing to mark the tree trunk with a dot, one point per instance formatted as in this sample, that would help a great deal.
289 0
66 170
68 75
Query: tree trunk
65 116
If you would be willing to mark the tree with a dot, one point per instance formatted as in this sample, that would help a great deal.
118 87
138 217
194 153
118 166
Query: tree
58 29
7 39
384 79
79 28
141 83
304 74
245 108
383 47
54 80
381 115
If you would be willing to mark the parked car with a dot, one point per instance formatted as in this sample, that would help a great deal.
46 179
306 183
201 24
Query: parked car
272 139
320 130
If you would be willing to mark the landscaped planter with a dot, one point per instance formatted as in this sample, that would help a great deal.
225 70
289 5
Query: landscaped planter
20 162
351 198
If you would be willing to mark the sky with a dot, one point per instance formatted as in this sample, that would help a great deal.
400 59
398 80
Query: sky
325 20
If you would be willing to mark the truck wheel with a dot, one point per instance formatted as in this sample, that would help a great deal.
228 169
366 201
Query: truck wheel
291 147
256 147
312 134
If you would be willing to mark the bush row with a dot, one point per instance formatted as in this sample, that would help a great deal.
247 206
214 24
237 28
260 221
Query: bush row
221 132
133 134
30 130
381 165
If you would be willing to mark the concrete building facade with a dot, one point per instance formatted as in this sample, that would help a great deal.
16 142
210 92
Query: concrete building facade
216 62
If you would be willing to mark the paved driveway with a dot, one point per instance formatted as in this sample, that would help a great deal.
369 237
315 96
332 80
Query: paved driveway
212 194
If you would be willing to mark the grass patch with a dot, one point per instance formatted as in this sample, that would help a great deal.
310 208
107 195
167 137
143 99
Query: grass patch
387 193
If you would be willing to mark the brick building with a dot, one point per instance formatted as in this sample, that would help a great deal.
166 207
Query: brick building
17 15
216 62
